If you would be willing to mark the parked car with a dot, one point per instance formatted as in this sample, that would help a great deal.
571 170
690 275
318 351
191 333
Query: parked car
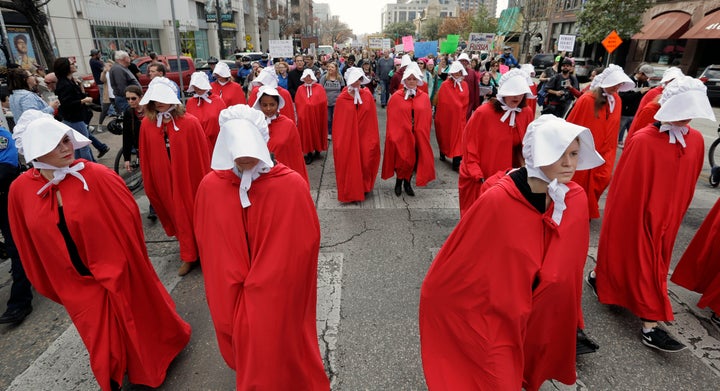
253 56
658 71
542 61
583 67
711 77
204 66
187 66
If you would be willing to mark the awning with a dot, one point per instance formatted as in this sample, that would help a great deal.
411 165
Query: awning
707 28
670 25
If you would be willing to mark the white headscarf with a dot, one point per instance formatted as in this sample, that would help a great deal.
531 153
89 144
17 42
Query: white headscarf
36 134
243 133
222 70
545 142
266 90
161 90
610 77
352 75
308 87
267 77
682 99
512 83
456 67
201 81
414 70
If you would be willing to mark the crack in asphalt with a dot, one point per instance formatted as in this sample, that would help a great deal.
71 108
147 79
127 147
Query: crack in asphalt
365 230
411 229
328 336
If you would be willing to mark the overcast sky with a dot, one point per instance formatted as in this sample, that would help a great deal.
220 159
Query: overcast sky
363 16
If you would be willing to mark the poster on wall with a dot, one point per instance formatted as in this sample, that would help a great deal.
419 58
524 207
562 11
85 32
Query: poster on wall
22 48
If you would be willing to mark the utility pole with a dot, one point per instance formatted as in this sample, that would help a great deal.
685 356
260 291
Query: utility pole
218 19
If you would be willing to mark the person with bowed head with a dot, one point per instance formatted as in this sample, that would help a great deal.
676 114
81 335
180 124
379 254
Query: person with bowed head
452 100
268 77
231 92
206 106
312 116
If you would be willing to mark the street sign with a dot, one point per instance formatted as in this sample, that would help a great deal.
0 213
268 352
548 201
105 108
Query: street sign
612 41
566 43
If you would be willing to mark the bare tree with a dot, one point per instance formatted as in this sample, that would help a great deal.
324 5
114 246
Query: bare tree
32 10
333 31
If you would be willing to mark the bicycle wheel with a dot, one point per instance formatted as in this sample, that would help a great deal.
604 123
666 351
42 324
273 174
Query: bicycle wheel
713 153
133 179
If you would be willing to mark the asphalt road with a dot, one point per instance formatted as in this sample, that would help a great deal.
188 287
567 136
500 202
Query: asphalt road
373 258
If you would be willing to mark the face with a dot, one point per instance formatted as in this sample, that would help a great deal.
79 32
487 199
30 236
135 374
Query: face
222 79
332 68
21 46
63 154
200 91
133 99
411 82
73 68
308 79
421 64
299 63
268 105
280 68
612 90
680 123
456 75
485 78
153 72
564 169
31 80
566 68
246 162
162 107
356 85
513 101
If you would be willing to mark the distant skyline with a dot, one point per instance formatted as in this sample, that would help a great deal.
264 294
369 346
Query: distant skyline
363 16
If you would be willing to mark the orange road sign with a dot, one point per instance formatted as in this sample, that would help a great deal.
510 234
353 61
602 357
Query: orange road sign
612 41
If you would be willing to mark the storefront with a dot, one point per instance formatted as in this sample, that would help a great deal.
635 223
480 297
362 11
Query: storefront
195 44
131 25
136 41
663 33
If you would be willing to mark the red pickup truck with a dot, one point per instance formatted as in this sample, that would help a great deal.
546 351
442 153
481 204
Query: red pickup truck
187 67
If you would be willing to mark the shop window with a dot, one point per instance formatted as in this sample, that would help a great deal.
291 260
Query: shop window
666 51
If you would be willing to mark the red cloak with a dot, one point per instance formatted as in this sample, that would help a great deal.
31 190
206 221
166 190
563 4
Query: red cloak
473 91
644 117
123 314
604 128
651 96
208 114
288 110
232 93
489 146
449 121
532 102
356 145
407 146
652 188
284 143
260 270
698 269
396 80
312 115
171 181
500 305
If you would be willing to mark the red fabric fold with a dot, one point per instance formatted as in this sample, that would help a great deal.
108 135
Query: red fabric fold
312 116
208 114
284 143
450 117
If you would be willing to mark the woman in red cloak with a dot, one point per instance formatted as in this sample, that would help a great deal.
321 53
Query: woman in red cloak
260 257
284 140
407 134
312 116
599 110
493 137
652 188
224 87
356 139
498 313
58 209
205 106
452 100
268 77
175 159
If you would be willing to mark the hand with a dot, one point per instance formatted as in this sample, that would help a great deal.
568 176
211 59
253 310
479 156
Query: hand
128 168
87 100
55 104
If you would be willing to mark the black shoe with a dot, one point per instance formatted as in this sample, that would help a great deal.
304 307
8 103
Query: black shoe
659 339
308 158
591 281
398 187
152 216
383 106
16 316
442 157
103 152
456 163
408 189
317 155
584 344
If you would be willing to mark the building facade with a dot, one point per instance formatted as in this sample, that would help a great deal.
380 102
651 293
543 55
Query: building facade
409 10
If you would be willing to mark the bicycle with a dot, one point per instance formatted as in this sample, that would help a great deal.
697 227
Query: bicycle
133 179
714 156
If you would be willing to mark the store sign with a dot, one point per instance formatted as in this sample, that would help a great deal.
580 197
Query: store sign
211 8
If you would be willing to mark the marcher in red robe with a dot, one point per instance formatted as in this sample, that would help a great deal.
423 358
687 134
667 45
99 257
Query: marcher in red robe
80 238
260 257
224 87
654 93
644 116
599 110
268 77
698 269
205 107
472 80
500 305
175 159
312 116
652 188
493 137
284 140
396 80
356 139
407 134
529 69
452 100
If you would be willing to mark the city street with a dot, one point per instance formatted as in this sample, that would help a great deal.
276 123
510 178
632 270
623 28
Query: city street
373 258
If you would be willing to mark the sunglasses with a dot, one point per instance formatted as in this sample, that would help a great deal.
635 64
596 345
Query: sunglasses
132 98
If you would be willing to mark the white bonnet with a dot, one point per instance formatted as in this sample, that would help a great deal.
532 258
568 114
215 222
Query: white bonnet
513 83
671 73
406 60
222 69
243 132
548 137
529 69
268 90
456 67
308 72
612 76
161 89
463 56
37 134
354 74
267 77
413 69
684 98
199 80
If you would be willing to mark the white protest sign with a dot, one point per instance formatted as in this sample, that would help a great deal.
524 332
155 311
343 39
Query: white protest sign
375 43
281 48
566 43
386 44
480 41
399 48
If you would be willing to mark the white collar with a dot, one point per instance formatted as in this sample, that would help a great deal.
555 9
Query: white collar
270 119
166 114
202 97
59 174
355 92
246 179
410 93
611 100
676 133
556 191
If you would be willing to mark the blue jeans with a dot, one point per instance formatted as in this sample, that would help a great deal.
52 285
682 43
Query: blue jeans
84 152
331 111
625 122
121 104
385 94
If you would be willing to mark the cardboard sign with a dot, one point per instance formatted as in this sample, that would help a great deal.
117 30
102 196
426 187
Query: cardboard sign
281 48
387 44
480 41
408 44
399 48
566 43
422 49
375 43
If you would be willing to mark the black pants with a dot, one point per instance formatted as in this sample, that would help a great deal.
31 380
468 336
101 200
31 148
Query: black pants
20 292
